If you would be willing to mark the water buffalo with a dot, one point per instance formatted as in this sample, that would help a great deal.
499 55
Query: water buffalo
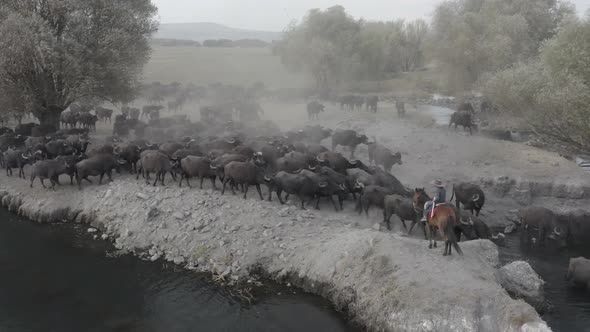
157 162
218 164
327 187
17 159
357 179
470 195
315 149
402 208
104 114
295 184
338 163
88 120
11 140
71 161
387 180
48 169
371 103
58 147
372 195
540 224
382 156
348 101
101 149
245 174
170 148
578 227
291 164
130 153
192 166
464 119
183 153
348 138
474 228
313 109
578 272
400 106
151 111
243 150
98 165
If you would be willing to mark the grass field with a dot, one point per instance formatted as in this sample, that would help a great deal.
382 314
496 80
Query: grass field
205 65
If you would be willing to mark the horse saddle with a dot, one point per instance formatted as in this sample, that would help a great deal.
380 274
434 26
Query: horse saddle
435 208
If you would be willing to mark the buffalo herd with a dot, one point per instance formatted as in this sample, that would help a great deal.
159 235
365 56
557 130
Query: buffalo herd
233 149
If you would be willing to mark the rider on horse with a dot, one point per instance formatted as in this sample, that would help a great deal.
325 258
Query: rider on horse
439 197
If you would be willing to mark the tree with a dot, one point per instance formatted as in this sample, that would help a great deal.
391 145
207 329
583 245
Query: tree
473 37
322 44
551 91
56 52
334 47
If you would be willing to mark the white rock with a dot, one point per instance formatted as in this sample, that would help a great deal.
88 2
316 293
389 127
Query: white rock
178 215
92 230
104 236
142 196
520 280
178 260
155 257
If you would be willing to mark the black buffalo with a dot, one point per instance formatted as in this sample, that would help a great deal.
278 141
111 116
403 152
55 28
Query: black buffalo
98 165
464 119
382 156
313 109
348 138
470 195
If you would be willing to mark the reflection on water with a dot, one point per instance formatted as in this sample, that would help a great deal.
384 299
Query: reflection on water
55 280
569 308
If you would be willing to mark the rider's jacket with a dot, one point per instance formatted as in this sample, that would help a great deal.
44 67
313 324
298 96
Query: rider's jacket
440 195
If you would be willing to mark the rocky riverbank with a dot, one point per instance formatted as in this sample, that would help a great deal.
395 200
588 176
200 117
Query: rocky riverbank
384 281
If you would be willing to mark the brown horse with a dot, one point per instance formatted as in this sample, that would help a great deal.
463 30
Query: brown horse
444 220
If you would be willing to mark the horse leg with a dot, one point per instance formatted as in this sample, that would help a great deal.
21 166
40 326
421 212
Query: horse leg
429 235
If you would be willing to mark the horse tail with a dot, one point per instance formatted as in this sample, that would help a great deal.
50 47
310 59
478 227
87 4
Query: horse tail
450 230
453 193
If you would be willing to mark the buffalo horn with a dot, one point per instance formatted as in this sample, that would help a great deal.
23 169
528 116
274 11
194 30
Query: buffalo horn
556 231
342 186
311 168
476 197
319 159
230 141
323 184
353 162
213 167
23 156
267 179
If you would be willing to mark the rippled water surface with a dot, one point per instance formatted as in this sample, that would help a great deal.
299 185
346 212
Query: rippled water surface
569 308
54 279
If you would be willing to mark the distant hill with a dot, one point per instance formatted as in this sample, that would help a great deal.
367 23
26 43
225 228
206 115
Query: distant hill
204 31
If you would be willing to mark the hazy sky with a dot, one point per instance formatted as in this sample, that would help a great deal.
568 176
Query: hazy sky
276 14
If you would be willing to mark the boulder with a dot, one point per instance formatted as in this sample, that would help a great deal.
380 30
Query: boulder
521 281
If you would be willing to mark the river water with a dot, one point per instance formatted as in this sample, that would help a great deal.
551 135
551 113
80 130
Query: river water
54 278
568 307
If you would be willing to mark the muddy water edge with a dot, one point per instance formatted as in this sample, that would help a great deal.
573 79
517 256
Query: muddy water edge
57 278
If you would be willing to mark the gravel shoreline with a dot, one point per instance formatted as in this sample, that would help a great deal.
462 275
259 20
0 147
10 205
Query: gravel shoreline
386 282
